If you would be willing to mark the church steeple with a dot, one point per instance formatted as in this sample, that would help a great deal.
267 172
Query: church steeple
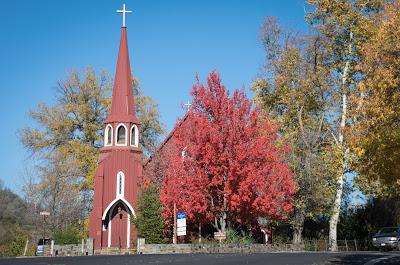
122 105
122 125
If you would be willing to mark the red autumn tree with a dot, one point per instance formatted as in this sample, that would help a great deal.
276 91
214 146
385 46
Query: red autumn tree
229 167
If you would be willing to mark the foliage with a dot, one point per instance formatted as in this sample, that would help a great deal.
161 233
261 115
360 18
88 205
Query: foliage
13 242
149 220
13 208
344 25
15 224
376 137
235 237
58 192
69 235
151 127
73 125
294 89
228 166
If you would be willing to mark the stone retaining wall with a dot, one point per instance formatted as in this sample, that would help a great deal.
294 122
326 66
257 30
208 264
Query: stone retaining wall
214 248
68 250
83 249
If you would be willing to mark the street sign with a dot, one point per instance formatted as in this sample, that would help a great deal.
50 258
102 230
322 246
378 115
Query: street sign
181 224
181 231
181 215
44 213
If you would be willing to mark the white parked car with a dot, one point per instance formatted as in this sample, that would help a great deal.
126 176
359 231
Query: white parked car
387 238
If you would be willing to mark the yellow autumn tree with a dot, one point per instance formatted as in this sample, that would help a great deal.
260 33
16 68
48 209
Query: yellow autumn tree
376 136
344 26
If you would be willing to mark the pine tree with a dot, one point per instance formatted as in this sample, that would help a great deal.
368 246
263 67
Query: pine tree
149 220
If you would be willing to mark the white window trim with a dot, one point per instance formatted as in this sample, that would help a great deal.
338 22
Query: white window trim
120 174
128 234
111 204
109 225
136 135
116 135
106 135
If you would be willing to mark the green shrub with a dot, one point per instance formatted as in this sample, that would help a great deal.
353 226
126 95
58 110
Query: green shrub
13 241
234 237
149 220
70 235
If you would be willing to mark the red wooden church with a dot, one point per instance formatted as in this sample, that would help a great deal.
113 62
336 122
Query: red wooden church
119 171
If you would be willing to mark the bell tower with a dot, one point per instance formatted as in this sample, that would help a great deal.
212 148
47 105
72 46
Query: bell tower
119 171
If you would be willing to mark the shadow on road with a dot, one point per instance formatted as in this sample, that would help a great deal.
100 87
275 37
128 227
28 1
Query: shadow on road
363 258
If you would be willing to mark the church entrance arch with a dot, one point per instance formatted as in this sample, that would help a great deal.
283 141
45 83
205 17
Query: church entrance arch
118 224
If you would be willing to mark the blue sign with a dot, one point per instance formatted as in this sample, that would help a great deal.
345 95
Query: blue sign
181 215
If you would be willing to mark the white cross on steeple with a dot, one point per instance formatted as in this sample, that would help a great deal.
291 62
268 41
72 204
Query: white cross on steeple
123 11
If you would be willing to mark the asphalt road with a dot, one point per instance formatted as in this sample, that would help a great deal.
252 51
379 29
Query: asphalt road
359 258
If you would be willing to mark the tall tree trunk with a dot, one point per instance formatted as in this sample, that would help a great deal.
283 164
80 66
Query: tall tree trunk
333 221
225 204
223 217
298 225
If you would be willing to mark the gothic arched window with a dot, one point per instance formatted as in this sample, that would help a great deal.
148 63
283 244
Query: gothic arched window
121 135
134 136
120 184
108 136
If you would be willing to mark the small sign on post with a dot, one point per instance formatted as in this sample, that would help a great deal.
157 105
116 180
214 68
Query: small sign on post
181 224
44 214
219 236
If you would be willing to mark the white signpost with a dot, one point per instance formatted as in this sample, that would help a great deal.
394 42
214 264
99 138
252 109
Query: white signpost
44 214
181 224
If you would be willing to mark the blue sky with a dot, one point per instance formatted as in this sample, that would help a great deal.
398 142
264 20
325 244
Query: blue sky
169 41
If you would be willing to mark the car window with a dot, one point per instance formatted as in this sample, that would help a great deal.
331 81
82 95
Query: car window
43 241
389 230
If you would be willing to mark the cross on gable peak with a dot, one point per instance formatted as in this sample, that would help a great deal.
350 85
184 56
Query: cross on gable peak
187 105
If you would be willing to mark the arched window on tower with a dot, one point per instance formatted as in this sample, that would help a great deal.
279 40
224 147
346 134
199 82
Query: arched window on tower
134 136
120 184
108 136
121 135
